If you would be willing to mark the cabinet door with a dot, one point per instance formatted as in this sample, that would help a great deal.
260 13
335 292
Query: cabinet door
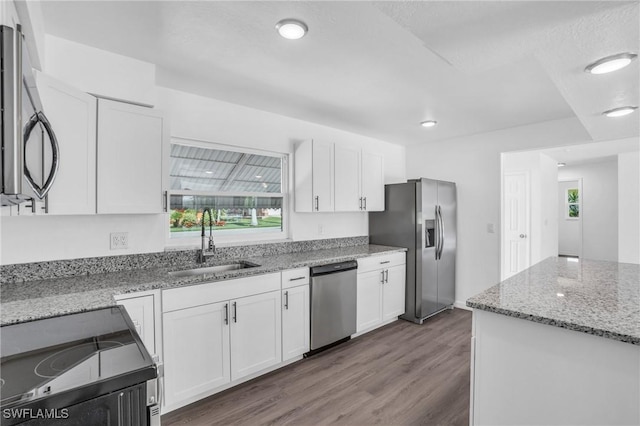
373 181
256 333
72 114
295 322
142 313
130 143
196 351
347 179
322 171
393 293
369 300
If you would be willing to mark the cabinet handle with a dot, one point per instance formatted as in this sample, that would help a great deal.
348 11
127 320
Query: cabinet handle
297 278
386 276
365 203
235 312
360 203
317 203
286 300
382 279
386 261
226 313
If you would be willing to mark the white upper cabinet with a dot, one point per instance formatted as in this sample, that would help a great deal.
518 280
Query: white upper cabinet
72 114
372 181
347 179
313 171
359 180
129 170
337 177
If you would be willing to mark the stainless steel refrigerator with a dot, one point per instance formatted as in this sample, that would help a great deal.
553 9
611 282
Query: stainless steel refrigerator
421 216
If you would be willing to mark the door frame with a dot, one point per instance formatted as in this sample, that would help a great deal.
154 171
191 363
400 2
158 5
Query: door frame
581 218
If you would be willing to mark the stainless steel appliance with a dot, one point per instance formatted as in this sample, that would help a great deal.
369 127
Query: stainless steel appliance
23 120
421 216
82 369
333 303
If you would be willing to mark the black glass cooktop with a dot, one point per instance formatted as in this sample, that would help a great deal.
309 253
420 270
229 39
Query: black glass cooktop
44 358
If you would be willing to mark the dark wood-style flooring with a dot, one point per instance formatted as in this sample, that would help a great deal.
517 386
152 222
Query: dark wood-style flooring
400 374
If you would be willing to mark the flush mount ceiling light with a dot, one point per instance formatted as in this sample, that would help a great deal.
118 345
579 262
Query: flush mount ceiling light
428 123
562 164
292 29
258 176
619 112
611 63
209 172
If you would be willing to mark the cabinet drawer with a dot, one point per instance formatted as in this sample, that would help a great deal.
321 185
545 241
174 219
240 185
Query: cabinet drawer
372 263
201 294
295 277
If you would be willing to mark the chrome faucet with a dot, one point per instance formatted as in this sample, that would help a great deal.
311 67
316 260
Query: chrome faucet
211 247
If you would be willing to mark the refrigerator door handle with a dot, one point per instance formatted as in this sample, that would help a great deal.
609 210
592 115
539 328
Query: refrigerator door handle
440 233
437 232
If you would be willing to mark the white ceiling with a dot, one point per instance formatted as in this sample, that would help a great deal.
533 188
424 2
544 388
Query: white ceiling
379 68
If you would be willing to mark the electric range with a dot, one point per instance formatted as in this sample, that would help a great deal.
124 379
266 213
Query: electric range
89 368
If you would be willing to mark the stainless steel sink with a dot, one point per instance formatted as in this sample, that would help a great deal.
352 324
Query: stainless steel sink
214 269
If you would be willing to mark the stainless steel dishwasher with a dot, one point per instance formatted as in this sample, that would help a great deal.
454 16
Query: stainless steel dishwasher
333 303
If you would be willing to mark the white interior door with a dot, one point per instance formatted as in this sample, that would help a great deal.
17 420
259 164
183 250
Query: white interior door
570 218
516 247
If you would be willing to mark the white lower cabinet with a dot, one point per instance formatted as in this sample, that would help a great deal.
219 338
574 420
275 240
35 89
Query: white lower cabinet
256 337
144 310
295 322
380 290
217 334
393 293
196 351
369 300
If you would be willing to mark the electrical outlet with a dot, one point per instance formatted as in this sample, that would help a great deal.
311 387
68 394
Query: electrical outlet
119 240
320 229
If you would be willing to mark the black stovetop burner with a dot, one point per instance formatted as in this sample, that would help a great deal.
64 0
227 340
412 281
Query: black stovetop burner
70 358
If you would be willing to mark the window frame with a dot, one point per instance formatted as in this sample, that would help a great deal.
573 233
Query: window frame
234 238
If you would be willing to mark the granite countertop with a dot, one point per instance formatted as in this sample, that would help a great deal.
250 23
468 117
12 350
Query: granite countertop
594 297
45 298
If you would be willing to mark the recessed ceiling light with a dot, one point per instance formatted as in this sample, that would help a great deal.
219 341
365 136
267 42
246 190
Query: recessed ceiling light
292 29
428 123
619 112
209 172
562 164
258 176
560 294
611 63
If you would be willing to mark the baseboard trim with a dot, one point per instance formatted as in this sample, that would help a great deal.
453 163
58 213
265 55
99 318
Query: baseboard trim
461 305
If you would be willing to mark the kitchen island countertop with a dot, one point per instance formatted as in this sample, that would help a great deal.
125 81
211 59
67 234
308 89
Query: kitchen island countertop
28 301
594 297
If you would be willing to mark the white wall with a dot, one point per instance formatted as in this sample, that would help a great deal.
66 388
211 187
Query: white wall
629 207
196 117
599 207
474 164
31 239
549 201
100 72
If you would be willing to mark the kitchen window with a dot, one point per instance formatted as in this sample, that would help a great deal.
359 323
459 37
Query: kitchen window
245 190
